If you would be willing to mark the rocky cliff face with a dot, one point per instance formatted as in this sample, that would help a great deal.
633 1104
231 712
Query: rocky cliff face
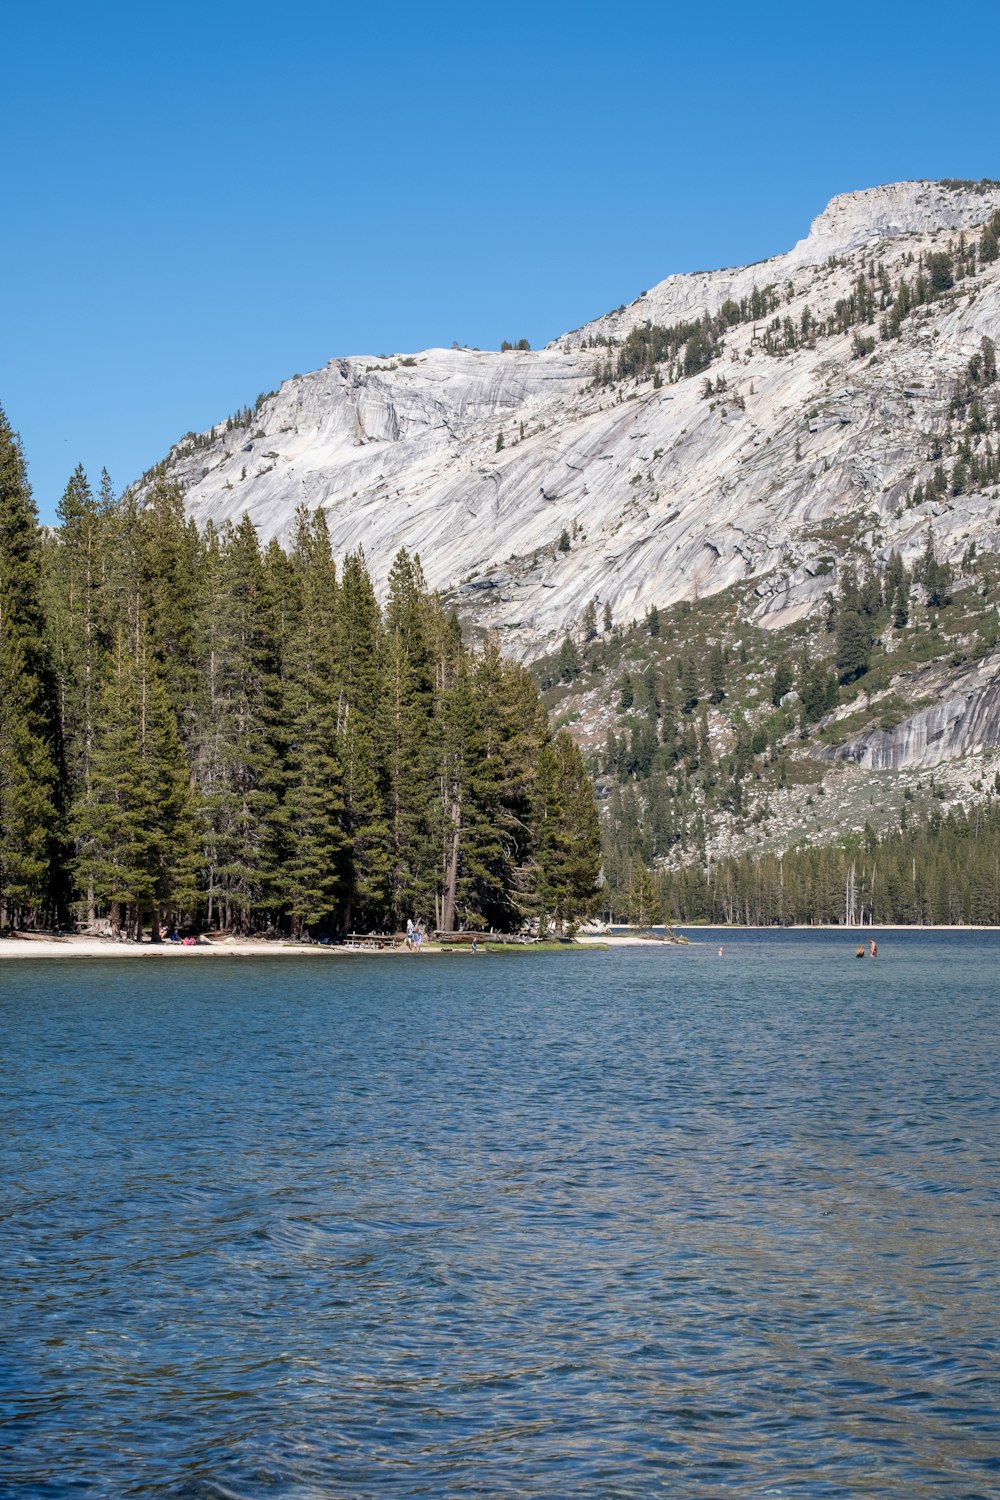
797 457
966 721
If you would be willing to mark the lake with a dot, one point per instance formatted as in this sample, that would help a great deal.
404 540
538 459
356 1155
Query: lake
646 1222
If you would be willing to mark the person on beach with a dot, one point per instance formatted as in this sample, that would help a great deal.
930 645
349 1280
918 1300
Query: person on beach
409 933
874 948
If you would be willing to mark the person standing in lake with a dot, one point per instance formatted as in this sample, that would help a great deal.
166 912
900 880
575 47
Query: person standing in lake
873 952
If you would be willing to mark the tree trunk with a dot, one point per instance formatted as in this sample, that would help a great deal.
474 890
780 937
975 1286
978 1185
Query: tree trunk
451 871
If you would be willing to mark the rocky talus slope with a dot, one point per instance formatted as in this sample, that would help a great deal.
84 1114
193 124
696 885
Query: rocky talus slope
775 459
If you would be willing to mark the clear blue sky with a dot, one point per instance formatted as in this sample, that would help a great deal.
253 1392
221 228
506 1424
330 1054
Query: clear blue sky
200 200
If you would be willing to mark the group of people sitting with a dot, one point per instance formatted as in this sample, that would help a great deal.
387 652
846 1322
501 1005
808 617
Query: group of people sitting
173 936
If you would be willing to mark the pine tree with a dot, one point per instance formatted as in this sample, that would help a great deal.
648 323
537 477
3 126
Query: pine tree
853 645
72 587
28 747
717 674
236 763
568 840
690 689
493 731
310 879
569 662
590 622
170 563
782 682
135 822
901 605
367 861
458 730
407 742
644 905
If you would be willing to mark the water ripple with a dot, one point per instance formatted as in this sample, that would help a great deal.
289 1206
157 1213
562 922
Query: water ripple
608 1226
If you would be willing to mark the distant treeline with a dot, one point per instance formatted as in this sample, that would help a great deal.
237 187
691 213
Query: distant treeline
196 730
940 868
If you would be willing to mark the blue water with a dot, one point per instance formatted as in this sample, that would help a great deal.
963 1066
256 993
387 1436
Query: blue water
652 1222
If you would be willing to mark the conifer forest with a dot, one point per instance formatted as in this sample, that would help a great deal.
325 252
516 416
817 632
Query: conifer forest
201 732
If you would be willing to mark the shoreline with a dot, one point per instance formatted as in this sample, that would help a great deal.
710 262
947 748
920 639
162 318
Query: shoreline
78 946
90 947
74 946
842 927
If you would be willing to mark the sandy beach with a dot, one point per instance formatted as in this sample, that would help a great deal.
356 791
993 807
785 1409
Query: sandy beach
77 946
74 947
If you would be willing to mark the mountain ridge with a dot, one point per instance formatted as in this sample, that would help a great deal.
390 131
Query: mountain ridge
850 222
784 453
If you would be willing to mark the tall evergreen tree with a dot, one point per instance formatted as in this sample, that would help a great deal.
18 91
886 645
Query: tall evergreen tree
135 822
28 745
567 853
73 580
853 645
311 878
717 674
367 859
407 736
236 764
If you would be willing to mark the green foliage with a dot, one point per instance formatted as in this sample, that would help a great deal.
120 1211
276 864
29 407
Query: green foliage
29 808
569 660
566 858
929 870
717 674
940 270
935 576
687 348
590 622
690 686
242 739
644 904
853 645
134 820
783 682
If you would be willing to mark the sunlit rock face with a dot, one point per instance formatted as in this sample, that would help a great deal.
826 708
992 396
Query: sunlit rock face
850 223
481 461
965 722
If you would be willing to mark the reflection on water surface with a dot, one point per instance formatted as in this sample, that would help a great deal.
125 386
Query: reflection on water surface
649 1222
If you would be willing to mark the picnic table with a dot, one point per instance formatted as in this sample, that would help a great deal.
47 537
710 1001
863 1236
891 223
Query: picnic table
373 939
